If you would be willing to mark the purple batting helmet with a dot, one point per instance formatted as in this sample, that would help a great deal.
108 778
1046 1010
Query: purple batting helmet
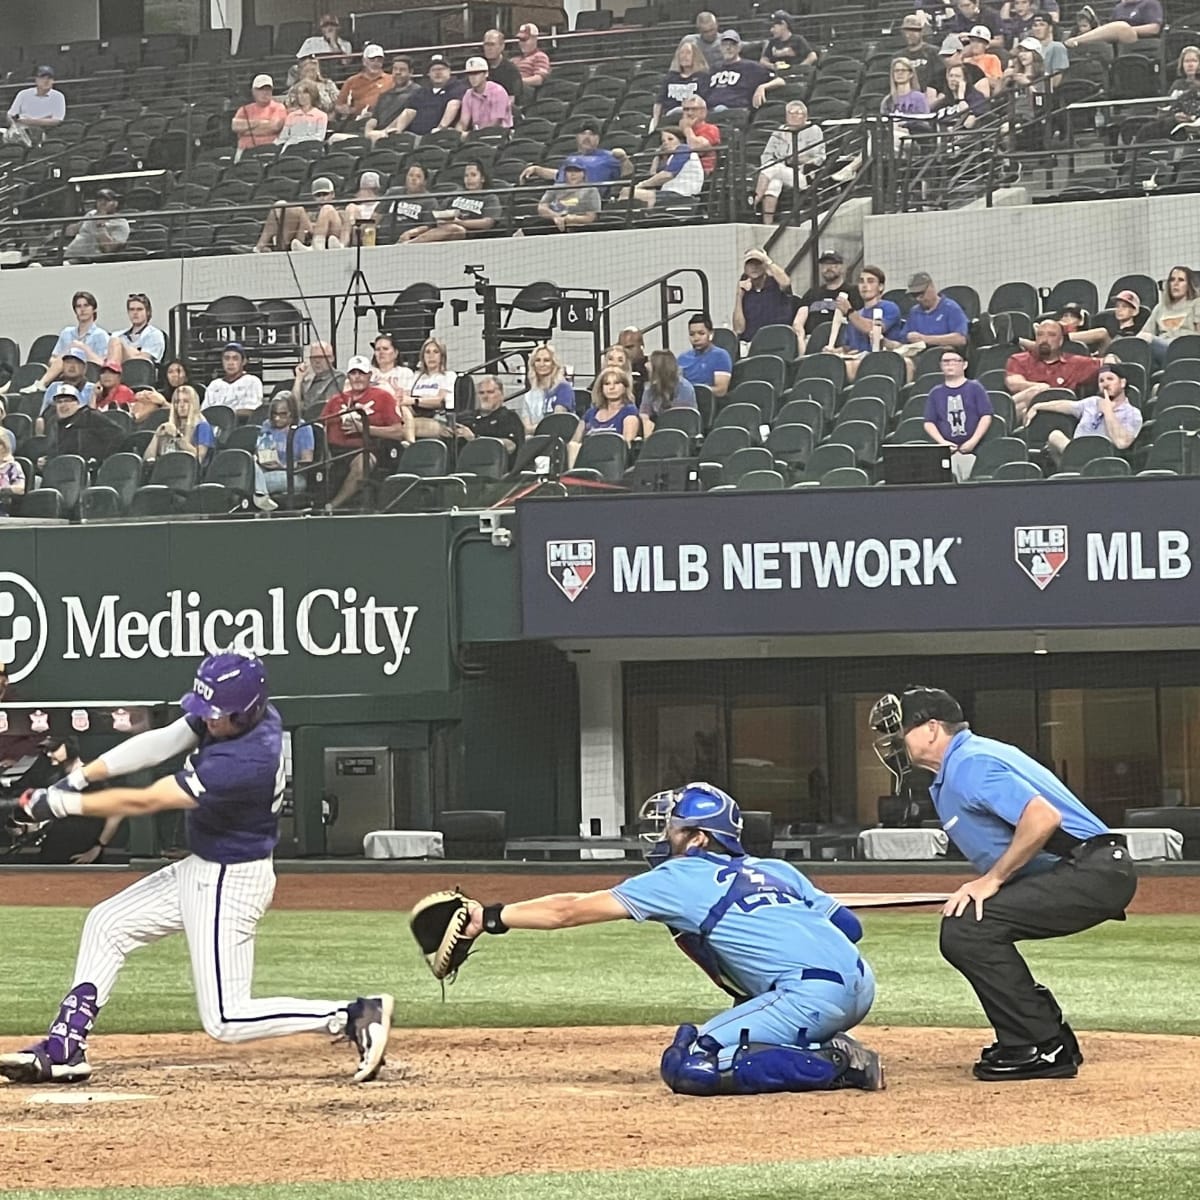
228 685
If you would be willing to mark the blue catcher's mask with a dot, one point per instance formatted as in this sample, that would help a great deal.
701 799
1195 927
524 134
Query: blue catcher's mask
698 806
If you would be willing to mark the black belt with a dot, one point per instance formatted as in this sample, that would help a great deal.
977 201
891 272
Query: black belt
1099 842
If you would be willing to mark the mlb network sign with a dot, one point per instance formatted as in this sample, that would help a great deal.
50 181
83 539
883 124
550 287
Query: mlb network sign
877 560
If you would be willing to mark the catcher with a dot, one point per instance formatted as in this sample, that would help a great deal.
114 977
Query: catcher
784 950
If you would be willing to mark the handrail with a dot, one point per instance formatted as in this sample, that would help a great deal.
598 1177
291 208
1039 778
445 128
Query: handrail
665 314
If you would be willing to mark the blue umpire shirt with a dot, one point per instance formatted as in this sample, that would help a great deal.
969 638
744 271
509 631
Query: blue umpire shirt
982 790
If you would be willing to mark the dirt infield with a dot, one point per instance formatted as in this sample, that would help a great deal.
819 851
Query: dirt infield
1156 893
485 1102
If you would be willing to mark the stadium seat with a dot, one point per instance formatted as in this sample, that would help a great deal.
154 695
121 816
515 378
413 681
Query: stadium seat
845 477
545 446
791 447
1107 467
829 367
1082 450
211 499
863 408
177 470
561 424
483 457
991 455
802 411
769 368
424 458
828 457
687 420
862 437
66 474
749 458
1014 472
602 455
153 500
779 340
44 504
761 481
1071 291
234 470
1016 296
743 415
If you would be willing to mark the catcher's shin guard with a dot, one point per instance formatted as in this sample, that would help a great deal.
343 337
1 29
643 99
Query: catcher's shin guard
689 1067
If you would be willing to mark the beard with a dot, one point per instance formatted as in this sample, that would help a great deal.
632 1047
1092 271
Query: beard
1045 351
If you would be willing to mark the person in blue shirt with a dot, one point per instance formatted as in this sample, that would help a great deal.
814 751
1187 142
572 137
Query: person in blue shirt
705 362
933 320
1047 867
783 949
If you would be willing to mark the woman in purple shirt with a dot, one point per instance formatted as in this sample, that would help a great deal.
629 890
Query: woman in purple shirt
613 406
904 95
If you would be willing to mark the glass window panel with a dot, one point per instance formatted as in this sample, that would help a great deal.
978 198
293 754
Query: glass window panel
778 759
1180 707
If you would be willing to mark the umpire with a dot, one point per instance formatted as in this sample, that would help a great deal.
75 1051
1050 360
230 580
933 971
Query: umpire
1047 867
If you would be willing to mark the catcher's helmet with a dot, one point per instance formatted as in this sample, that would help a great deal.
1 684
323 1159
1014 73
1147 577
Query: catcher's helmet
695 806
893 716
228 685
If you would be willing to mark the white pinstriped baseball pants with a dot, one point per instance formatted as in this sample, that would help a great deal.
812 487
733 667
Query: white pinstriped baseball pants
218 909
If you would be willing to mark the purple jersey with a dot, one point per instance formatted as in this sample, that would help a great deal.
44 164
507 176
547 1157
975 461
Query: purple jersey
237 784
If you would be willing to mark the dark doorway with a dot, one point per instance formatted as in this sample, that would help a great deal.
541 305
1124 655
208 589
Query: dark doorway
122 18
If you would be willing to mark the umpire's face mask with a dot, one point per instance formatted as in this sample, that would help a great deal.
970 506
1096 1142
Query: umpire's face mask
887 722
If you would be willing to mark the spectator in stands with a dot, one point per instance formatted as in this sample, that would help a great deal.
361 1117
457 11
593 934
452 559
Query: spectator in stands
600 166
85 335
1129 21
739 83
327 41
763 295
970 13
110 391
547 388
687 77
1177 312
260 122
413 208
186 431
786 48
36 109
665 389
1085 21
434 106
141 340
934 319
706 39
271 452
1125 320
309 71
492 417
961 105
100 232
705 363
1055 58
977 43
146 408
234 387
1073 318
1017 18
630 340
617 357
818 304
613 408
1109 414
958 413
344 427
390 106
676 177
78 430
870 326
916 48
389 372
952 55
501 70
1182 114
796 145
73 375
699 133
1029 373
12 483
364 212
176 373
325 233
315 379
904 97
432 389
361 92
307 122
532 62
485 105
472 211
1025 75
575 205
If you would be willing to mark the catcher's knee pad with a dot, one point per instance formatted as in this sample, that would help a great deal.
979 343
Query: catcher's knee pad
689 1067
758 1068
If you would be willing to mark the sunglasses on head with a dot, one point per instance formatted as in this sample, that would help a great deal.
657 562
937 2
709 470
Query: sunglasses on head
141 297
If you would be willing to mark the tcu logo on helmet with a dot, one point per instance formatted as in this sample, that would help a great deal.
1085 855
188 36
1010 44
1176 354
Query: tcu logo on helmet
202 689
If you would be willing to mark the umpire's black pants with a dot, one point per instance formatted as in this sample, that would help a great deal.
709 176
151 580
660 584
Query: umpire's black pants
1094 885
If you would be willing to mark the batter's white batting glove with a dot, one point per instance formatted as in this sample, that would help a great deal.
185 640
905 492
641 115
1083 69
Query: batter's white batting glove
48 804
76 781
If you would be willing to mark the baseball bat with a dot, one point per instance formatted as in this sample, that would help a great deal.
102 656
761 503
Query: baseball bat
890 899
835 329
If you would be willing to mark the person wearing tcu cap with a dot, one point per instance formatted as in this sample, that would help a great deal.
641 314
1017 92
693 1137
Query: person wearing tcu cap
530 59
738 82
326 41
362 90
1047 867
434 106
36 109
101 231
1108 414
234 388
260 122
786 48
484 104
73 375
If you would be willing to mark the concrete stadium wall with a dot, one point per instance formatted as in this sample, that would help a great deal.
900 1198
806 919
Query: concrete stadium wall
1039 244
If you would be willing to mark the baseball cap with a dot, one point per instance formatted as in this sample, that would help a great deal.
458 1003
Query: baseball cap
66 391
1117 369
1129 298
780 17
476 64
573 163
359 363
830 256
755 256
1030 43
952 45
72 352
107 194
322 183
370 179
328 19
372 50
912 21
263 81
438 60
114 367
589 126
1076 309
921 704
44 70
236 347
919 282
1045 18
980 33
528 30
731 35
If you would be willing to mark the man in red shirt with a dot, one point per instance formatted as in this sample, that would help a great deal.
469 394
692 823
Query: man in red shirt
1029 374
699 133
343 426
531 61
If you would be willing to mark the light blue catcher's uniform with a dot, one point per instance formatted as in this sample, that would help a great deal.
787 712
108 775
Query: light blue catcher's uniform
762 930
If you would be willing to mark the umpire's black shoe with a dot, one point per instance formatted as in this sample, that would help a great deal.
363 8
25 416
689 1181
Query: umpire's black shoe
995 1050
1047 1060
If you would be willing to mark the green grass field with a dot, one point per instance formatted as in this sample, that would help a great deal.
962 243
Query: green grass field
626 974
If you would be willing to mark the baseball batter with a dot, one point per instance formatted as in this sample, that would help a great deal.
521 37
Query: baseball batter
1048 866
782 948
231 787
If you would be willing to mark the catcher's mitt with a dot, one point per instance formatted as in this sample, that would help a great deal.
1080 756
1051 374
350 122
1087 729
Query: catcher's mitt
437 922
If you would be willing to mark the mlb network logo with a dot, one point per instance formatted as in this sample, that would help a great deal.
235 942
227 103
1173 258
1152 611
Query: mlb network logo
1041 551
571 565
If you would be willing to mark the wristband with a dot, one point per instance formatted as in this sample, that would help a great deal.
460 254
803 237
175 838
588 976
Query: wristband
491 919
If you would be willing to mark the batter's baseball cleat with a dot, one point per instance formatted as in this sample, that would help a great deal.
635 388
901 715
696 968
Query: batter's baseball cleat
864 1069
1047 1060
36 1065
368 1026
